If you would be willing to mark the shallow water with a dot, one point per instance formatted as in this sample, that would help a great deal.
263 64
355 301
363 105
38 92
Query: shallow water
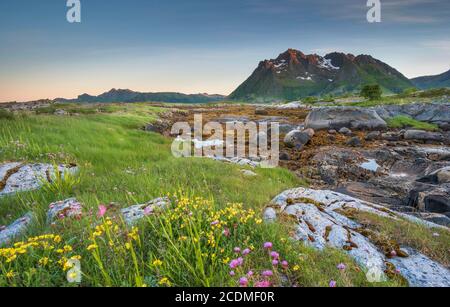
371 165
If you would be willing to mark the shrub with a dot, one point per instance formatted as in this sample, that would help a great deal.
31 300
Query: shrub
5 114
310 99
371 92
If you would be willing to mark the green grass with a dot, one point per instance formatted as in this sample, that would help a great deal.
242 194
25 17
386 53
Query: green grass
121 163
409 234
403 121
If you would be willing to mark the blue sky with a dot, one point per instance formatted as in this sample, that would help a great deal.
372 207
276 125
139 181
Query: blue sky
201 45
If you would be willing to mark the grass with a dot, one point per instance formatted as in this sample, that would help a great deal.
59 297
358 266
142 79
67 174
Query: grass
122 165
409 234
403 121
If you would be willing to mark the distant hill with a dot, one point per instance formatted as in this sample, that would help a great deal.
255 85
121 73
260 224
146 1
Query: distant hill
125 95
293 75
437 81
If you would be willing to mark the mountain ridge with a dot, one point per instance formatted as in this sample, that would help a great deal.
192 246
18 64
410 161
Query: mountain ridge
432 81
129 96
293 75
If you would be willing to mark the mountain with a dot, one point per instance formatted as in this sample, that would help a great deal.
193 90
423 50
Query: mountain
294 75
427 82
125 95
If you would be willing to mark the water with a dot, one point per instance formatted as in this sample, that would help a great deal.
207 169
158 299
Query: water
371 165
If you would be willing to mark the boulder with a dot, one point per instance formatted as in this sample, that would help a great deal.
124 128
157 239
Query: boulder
354 142
270 215
338 117
16 177
297 139
248 173
373 135
345 131
60 113
439 176
426 136
391 136
69 208
133 214
437 113
435 199
8 234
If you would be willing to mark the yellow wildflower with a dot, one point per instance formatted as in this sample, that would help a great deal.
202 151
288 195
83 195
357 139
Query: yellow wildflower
164 282
157 262
92 246
10 274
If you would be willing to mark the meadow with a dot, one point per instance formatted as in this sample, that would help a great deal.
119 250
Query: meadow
212 234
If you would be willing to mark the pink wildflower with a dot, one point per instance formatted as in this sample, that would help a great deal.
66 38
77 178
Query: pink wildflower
267 273
341 267
275 255
148 211
332 284
243 282
246 251
237 250
101 210
285 264
262 284
268 245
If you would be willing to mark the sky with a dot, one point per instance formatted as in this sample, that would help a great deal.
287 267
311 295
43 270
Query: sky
198 46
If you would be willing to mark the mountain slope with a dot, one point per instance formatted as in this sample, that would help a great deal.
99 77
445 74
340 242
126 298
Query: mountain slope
295 75
427 82
124 95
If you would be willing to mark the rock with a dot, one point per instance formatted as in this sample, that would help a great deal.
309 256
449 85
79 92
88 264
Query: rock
16 177
435 199
338 117
238 161
248 173
420 271
435 218
439 176
371 136
437 113
332 131
284 156
69 208
320 225
135 213
391 136
60 112
345 131
16 229
426 136
261 111
297 139
159 126
270 215
354 142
